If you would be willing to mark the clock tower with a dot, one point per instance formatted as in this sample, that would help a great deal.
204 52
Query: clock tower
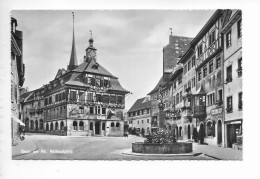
91 50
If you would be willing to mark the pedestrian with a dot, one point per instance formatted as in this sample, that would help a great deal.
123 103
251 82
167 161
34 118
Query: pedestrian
23 130
127 133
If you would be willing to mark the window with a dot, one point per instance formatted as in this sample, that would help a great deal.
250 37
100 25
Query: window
239 69
193 61
142 121
104 111
177 98
199 49
98 82
112 124
228 39
75 125
137 122
112 99
212 37
73 95
91 110
61 125
239 28
98 97
229 104
81 125
189 65
218 62
205 71
147 120
229 74
185 69
119 99
50 100
211 99
105 99
185 87
240 102
97 109
148 111
193 82
189 84
90 97
106 83
199 75
82 97
220 99
211 66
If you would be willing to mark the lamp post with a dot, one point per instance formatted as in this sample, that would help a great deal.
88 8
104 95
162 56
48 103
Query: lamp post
161 107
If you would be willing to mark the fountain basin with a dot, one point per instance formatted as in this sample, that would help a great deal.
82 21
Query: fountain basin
149 148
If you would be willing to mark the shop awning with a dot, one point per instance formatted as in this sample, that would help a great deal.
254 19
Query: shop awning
18 120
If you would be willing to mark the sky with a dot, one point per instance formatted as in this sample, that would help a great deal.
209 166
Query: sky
129 43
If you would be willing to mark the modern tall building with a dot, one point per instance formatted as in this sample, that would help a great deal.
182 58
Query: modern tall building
232 33
83 100
17 77
176 47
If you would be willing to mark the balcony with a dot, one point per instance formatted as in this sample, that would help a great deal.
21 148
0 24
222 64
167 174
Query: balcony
239 72
199 111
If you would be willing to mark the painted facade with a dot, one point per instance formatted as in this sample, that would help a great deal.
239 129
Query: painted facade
83 100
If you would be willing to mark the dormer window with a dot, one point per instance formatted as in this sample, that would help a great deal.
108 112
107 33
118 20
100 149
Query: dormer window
95 66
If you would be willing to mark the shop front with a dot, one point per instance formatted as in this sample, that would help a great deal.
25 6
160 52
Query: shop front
234 134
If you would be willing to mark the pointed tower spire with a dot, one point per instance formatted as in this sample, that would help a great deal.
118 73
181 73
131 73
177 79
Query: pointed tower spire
73 57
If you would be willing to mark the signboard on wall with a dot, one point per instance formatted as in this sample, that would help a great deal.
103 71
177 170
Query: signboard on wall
216 111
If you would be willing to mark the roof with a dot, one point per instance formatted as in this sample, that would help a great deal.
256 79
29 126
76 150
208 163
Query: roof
156 88
140 104
88 67
25 95
208 25
116 86
200 91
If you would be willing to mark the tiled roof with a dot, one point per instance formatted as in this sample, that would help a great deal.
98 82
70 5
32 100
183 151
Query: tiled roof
115 85
25 95
140 104
156 88
88 67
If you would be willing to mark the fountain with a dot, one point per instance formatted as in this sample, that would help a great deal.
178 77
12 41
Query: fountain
162 141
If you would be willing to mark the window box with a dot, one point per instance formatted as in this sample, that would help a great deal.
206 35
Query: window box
229 79
239 72
219 103
229 109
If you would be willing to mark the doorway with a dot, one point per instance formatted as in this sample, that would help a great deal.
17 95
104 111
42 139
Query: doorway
97 128
219 132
